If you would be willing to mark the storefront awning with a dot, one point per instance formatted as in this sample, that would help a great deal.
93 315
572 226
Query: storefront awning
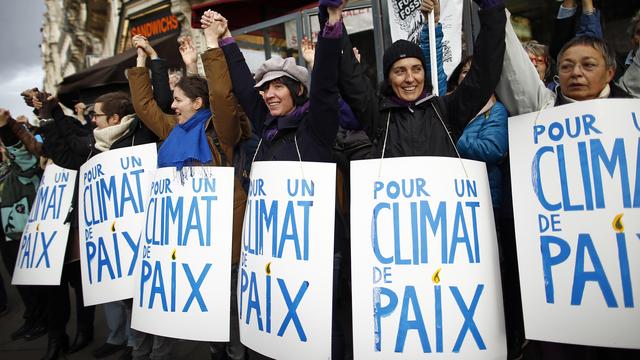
241 13
109 74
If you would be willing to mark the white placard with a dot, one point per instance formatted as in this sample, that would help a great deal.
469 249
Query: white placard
112 200
286 268
425 271
184 272
575 173
355 21
405 22
44 240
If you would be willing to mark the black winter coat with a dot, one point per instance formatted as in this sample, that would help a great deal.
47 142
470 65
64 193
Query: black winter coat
432 125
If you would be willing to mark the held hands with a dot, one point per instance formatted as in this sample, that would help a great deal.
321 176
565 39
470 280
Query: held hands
215 27
142 43
427 6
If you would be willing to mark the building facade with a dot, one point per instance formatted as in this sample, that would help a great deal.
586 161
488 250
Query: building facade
78 34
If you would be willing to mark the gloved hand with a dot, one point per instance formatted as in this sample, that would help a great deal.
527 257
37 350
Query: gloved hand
330 3
323 14
48 104
488 4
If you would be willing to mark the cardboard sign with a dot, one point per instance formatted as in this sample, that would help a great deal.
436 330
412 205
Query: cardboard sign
44 241
184 268
575 173
425 271
405 22
112 199
286 272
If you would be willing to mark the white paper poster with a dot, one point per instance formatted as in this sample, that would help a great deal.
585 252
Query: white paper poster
286 268
424 255
405 22
112 199
575 173
44 240
183 278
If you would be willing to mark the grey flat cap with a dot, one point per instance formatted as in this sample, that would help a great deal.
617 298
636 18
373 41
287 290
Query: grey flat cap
278 67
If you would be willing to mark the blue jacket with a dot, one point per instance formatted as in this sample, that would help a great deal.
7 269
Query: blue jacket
486 139
424 45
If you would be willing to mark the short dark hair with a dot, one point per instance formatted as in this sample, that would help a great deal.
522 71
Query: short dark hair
116 103
452 83
594 42
293 86
194 87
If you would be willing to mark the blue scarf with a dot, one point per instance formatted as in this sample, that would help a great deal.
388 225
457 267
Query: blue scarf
187 143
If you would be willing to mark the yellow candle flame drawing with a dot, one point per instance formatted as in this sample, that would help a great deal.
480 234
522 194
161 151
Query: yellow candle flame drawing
267 268
436 276
173 254
38 227
113 227
617 223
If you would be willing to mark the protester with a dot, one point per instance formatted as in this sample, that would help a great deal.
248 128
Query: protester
117 127
634 33
193 124
406 121
294 121
18 185
586 69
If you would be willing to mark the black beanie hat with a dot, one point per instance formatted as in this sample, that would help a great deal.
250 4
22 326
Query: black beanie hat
399 50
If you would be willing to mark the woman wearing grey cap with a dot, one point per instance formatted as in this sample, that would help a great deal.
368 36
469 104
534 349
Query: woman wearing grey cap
292 125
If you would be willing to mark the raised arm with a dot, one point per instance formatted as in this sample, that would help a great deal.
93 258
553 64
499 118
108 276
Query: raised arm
354 86
189 55
223 104
480 83
426 6
520 88
323 95
12 131
144 104
242 82
564 27
160 83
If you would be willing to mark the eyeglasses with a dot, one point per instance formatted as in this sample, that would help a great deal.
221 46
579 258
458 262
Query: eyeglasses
567 67
537 59
93 114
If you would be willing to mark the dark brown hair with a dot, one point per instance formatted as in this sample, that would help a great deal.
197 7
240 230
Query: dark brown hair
195 87
116 103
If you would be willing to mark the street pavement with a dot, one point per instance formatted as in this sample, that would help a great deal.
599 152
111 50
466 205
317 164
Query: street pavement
34 350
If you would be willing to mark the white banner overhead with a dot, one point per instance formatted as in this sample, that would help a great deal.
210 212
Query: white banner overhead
286 268
405 22
184 259
44 240
575 173
424 255
112 198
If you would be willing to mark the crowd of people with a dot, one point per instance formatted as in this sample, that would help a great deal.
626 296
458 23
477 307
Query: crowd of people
327 113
